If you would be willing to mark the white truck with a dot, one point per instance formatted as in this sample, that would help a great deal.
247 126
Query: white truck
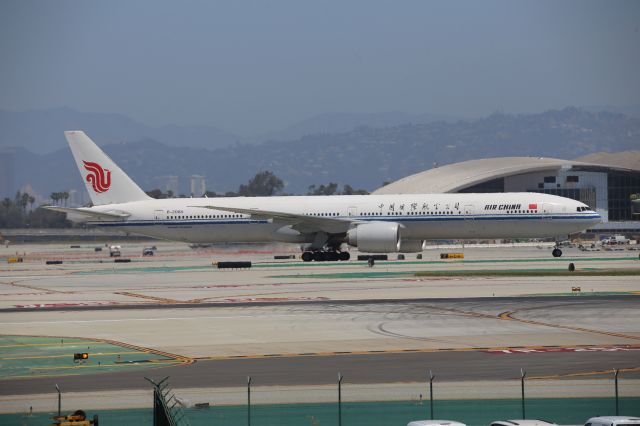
613 421
615 240
114 251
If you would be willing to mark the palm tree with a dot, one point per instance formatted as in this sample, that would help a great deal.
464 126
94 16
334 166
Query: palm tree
24 200
55 196
31 201
65 197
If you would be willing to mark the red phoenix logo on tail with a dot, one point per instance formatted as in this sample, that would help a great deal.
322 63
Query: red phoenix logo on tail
99 178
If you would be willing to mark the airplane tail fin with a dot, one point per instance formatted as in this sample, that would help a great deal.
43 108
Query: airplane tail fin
105 181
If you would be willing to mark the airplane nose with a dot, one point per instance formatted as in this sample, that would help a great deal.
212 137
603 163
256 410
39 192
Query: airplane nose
597 219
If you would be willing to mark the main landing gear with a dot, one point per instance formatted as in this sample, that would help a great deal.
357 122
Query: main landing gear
556 252
325 256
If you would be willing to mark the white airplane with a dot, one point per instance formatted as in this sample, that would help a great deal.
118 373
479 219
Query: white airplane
372 223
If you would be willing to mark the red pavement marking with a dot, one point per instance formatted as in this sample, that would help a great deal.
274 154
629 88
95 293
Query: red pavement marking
63 305
512 351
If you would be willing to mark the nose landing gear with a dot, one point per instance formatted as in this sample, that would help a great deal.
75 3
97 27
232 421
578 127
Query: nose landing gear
556 252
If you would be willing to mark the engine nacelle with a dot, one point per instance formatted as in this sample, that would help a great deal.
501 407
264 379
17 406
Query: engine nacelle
375 237
411 246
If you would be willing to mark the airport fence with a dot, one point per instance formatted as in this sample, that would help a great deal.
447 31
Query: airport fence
574 411
347 404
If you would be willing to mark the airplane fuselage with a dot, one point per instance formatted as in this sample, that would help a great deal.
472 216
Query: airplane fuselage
420 216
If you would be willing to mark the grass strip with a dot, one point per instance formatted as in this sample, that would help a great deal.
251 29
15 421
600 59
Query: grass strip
534 273
469 273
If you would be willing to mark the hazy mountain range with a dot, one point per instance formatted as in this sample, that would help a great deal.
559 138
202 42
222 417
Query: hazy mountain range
364 157
345 121
41 131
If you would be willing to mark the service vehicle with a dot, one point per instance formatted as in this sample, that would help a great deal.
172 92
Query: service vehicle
523 422
435 423
613 421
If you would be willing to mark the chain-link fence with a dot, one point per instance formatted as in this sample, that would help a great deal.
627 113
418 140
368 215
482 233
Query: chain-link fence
347 404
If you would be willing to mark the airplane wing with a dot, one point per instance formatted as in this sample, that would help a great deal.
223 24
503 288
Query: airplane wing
89 214
302 223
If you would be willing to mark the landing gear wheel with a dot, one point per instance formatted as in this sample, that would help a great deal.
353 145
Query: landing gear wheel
307 256
556 252
332 256
319 256
344 255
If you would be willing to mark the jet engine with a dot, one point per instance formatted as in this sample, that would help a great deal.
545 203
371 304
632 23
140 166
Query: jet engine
375 237
411 246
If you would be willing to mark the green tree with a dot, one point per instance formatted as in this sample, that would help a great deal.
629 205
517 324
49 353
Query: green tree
155 193
264 183
11 216
348 190
330 189
24 200
43 218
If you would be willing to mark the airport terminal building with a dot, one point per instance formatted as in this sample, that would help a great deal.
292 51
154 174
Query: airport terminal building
607 188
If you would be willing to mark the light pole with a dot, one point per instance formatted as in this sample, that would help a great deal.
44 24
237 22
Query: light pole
523 374
248 400
615 376
59 400
339 399
431 377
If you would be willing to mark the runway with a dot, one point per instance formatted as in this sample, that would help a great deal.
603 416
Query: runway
357 369
289 323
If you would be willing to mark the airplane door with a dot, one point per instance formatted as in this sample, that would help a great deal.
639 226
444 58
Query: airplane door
469 221
158 214
353 211
547 211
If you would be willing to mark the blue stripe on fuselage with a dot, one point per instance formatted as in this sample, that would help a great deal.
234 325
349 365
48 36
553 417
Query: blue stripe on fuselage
425 218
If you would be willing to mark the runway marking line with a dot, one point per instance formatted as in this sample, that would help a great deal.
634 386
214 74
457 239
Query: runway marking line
48 344
122 364
45 290
508 316
488 350
584 373
147 297
181 358
93 354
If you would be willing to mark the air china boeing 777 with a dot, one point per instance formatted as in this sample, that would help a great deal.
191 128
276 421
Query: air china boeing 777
372 223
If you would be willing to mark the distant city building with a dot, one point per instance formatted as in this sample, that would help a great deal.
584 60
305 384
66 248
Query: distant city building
172 185
75 198
607 188
198 186
7 173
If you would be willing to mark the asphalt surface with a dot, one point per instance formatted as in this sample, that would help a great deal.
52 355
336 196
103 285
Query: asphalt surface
403 301
203 313
356 369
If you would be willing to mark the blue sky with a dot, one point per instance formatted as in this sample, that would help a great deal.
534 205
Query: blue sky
257 66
